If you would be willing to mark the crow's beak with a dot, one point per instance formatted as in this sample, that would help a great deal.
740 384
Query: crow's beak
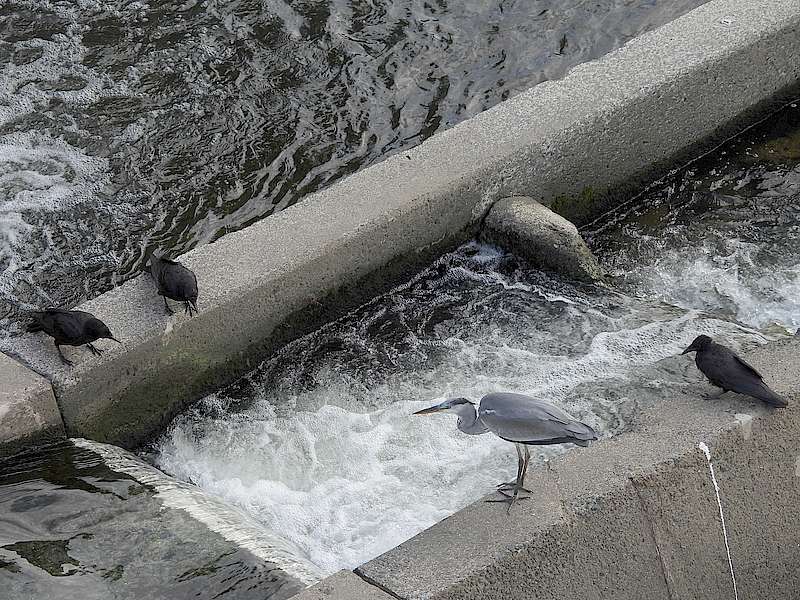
430 411
689 349
111 337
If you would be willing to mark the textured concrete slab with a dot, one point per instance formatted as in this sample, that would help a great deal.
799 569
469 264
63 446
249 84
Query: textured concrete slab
28 410
344 585
542 237
636 516
565 143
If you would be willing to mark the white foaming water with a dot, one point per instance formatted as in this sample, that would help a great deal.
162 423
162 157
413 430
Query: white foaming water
734 281
323 449
43 170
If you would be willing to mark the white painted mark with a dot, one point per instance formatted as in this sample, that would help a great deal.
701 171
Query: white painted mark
231 524
746 423
797 467
707 452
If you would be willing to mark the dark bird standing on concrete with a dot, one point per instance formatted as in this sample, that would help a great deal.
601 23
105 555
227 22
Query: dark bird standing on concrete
70 328
175 282
726 370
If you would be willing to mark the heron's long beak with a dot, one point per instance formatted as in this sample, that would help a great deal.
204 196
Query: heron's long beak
431 410
689 349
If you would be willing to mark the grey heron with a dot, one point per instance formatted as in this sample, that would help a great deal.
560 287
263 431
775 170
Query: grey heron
520 419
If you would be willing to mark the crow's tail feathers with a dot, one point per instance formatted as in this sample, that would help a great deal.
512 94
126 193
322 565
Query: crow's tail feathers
770 397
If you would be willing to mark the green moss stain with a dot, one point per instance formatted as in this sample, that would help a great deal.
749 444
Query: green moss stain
114 574
570 206
10 566
780 149
50 556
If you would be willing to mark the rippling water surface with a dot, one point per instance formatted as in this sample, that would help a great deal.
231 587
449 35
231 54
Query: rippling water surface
127 125
73 528
314 458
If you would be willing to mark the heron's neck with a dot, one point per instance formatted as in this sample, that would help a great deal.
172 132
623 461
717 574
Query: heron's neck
468 421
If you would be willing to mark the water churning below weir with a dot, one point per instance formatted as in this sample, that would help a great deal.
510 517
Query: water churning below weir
313 462
318 443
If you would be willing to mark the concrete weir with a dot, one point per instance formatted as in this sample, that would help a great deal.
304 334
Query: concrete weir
638 515
568 144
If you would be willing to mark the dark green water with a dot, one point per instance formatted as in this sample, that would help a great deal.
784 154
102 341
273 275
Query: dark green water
73 528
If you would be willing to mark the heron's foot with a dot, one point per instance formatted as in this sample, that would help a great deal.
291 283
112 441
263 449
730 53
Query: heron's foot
509 499
511 485
94 350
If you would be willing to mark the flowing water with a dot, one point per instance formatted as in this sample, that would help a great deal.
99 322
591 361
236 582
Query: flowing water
313 462
73 528
128 125
319 444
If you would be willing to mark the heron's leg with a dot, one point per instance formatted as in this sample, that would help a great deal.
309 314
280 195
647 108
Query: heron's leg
166 306
521 478
510 484
94 350
516 486
64 359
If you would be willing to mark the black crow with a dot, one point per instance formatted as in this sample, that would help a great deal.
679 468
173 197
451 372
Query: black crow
175 282
726 370
70 328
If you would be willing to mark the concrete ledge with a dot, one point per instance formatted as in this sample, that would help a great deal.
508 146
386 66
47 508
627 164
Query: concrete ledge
344 585
28 410
565 143
635 516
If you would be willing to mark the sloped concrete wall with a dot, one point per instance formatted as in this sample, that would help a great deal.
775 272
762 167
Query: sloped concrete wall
635 516
563 143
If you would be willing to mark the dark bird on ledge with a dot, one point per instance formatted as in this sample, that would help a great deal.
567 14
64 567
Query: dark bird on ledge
175 282
70 328
728 371
520 419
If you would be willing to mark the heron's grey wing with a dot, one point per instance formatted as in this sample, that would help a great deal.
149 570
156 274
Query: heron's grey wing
521 418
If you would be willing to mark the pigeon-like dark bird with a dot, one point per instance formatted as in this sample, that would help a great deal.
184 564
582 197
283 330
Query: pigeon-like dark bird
70 328
175 282
730 372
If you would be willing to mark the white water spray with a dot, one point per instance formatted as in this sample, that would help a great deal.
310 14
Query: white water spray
707 452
